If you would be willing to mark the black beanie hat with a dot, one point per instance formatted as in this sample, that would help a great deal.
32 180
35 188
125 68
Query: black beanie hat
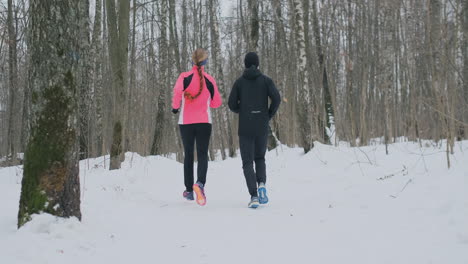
251 58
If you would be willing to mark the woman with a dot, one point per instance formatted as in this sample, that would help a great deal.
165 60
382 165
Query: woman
195 92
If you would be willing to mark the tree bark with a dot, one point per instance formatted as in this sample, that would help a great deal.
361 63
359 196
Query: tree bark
84 84
12 82
329 111
465 62
51 172
252 41
174 36
156 147
118 49
96 89
218 61
303 93
130 100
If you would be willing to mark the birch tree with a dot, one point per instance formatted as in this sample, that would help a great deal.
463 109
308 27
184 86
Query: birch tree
303 90
329 112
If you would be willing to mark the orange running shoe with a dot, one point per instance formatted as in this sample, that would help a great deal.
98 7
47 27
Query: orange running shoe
199 191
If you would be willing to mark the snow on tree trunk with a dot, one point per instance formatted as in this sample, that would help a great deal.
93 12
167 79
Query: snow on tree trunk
50 178
303 92
330 113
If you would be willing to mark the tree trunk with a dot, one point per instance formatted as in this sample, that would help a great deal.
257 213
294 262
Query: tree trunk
118 52
84 84
156 147
303 93
50 179
130 100
12 82
219 74
329 112
280 45
185 57
252 41
97 57
174 35
465 64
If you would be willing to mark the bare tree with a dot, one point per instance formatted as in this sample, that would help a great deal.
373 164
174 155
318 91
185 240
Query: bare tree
303 91
372 68
84 102
226 130
254 26
50 179
156 147
13 80
118 24
465 60
96 84
330 116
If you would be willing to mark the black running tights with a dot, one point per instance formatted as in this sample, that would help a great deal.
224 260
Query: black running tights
199 133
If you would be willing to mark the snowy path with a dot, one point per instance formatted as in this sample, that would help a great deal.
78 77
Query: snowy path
328 206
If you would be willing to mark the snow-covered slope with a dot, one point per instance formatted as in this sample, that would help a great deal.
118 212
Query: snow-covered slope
333 205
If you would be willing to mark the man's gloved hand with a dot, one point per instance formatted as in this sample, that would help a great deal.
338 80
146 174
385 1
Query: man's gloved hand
175 111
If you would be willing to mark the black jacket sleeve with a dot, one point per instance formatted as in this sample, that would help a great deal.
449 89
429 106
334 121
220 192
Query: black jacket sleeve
274 96
234 99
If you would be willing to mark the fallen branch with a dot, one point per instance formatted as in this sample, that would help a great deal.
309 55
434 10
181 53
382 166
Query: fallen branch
404 187
404 171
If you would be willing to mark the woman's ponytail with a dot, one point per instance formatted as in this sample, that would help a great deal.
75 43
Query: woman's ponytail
199 57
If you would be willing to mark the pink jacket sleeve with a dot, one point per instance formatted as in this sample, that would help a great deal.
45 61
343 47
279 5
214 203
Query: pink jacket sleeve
178 92
216 101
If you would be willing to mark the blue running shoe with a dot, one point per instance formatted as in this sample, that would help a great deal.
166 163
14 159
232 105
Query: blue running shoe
262 194
254 202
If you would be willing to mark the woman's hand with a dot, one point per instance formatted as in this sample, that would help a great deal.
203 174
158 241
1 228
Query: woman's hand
175 111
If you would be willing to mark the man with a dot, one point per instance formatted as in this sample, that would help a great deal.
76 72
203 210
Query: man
249 98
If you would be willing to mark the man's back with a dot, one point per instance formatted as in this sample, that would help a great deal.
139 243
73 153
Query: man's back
249 98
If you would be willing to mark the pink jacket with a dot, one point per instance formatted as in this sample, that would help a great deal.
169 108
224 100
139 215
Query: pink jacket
198 109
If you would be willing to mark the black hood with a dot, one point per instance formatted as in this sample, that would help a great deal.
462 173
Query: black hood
252 73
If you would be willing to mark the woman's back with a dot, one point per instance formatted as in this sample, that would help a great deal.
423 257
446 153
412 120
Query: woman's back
195 110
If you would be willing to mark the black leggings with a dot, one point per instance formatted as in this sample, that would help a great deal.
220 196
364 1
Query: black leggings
253 150
200 133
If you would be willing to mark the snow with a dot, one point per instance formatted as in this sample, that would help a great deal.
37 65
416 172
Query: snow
332 205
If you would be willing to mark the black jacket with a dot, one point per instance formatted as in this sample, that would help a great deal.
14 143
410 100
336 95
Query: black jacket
249 97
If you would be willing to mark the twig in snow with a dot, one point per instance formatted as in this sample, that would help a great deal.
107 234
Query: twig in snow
359 162
404 187
366 155
404 171
323 162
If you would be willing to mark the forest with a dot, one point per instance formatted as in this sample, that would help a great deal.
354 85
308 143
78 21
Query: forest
349 70
83 79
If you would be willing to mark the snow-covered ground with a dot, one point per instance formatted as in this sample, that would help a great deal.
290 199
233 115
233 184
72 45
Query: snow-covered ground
333 205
